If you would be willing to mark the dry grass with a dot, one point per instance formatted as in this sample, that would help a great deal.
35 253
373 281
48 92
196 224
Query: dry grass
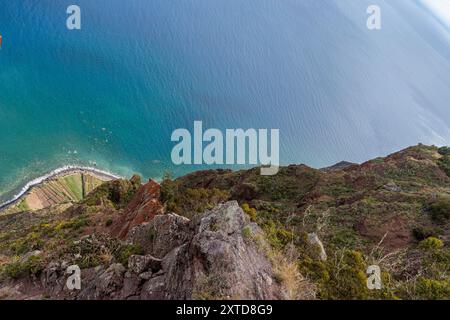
296 287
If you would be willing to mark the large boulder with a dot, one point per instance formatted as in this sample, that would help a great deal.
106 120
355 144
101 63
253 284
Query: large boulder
103 284
139 264
216 255
161 235
314 240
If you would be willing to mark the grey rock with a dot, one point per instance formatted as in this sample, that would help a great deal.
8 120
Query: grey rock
154 264
25 257
161 235
139 264
218 262
314 240
154 289
131 286
111 280
52 278
100 284
392 186
146 275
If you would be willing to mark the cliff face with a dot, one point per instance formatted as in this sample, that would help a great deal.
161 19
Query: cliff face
204 258
218 234
144 206
217 255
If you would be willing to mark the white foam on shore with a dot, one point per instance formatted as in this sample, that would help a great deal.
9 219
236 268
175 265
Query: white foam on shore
55 173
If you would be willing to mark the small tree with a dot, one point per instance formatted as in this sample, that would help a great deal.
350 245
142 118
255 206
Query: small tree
168 188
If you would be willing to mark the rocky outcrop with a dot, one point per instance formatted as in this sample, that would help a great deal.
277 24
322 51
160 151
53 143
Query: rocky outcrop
392 186
105 284
314 240
217 255
163 234
144 207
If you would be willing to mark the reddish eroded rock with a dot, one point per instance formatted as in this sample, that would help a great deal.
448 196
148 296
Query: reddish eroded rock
143 208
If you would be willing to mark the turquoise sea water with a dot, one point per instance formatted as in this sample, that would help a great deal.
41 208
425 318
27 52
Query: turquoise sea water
111 94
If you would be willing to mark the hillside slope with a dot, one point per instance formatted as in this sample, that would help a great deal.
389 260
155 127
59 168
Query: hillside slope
392 212
209 235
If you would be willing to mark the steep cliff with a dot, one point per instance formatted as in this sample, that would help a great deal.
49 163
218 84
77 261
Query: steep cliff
219 234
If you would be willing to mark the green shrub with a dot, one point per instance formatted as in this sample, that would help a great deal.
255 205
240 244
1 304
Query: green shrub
347 278
117 192
33 266
430 289
440 210
345 238
246 232
30 242
431 243
444 164
124 252
13 270
436 262
190 201
89 261
289 184
433 282
277 235
422 233
78 223
445 151
168 189
251 212
315 269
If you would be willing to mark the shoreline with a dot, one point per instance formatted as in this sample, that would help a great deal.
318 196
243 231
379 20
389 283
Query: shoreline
59 172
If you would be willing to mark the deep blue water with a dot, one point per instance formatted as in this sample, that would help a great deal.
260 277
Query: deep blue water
112 93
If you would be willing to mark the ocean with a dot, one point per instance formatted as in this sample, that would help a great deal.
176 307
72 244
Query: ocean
109 95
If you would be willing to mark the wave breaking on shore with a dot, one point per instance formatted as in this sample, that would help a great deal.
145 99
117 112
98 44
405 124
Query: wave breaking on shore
62 171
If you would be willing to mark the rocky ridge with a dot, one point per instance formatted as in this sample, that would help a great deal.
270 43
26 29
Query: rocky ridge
209 257
221 234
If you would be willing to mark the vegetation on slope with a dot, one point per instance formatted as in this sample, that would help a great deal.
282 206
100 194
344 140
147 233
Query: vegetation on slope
392 212
79 234
386 212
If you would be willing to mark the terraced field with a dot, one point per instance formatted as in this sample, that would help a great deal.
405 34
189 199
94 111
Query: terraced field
59 190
